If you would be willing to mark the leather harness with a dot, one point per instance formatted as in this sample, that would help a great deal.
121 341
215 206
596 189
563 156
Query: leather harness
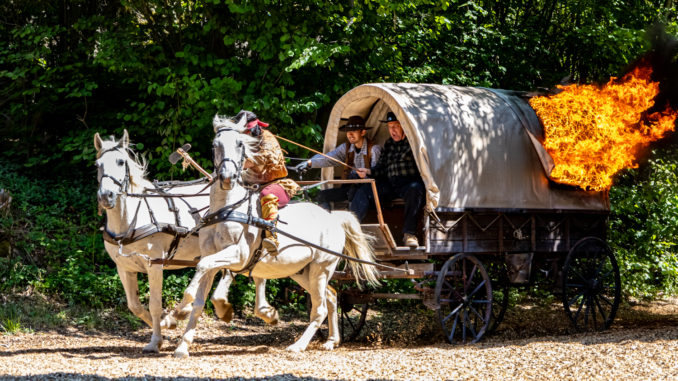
135 234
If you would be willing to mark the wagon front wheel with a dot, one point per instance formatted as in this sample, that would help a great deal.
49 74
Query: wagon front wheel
591 285
463 297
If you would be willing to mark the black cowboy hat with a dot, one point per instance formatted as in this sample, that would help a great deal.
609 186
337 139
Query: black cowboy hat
354 123
390 117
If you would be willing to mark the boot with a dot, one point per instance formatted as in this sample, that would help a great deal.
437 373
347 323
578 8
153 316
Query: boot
269 212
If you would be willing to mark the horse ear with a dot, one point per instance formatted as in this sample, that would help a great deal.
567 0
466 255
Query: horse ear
97 142
242 122
216 123
124 142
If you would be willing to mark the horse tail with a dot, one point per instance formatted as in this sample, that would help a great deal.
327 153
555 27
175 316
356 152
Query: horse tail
358 245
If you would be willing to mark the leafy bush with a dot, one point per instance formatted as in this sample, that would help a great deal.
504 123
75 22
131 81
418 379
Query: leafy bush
644 226
56 245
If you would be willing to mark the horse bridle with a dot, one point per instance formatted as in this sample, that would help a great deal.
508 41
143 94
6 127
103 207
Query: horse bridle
124 184
238 166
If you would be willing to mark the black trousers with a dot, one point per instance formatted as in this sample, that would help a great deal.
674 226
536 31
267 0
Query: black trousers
412 190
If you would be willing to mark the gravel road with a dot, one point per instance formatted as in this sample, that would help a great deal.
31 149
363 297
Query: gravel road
533 344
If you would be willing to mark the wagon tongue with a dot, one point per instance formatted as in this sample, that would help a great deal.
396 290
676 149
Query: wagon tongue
593 132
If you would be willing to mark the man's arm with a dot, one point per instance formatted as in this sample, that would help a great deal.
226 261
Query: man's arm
319 161
378 165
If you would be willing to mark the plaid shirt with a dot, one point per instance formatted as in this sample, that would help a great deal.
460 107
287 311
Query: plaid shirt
396 160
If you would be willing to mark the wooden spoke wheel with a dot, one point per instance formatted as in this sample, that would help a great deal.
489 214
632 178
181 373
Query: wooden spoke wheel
591 284
463 295
498 273
352 315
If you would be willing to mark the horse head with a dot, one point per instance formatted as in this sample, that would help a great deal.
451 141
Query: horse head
115 168
231 146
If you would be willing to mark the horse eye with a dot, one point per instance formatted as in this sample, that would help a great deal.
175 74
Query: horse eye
120 162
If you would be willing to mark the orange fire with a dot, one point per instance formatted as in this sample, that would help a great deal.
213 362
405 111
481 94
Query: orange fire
593 132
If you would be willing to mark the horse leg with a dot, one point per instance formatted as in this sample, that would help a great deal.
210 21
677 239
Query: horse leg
204 285
316 281
224 258
222 308
155 308
131 287
180 312
263 310
219 299
333 337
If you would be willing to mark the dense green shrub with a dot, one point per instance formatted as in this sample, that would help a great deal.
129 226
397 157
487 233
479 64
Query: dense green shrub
644 226
52 227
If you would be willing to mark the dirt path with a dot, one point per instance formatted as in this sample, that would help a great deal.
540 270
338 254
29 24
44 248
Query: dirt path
533 344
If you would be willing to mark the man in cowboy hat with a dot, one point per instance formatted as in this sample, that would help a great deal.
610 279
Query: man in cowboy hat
358 152
397 176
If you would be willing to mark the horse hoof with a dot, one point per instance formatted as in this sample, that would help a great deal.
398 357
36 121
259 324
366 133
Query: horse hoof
269 315
151 349
294 348
168 323
328 346
224 312
188 297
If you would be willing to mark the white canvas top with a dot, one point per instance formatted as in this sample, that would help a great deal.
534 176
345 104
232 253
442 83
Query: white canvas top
475 147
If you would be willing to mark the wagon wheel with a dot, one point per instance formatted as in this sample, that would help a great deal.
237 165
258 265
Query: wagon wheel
498 273
464 299
352 314
591 284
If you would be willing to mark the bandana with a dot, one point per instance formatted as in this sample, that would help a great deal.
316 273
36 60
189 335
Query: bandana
256 123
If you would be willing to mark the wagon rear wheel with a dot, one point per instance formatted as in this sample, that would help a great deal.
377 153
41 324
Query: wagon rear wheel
464 299
591 284
352 315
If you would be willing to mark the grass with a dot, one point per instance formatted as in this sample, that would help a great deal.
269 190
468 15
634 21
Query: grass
24 314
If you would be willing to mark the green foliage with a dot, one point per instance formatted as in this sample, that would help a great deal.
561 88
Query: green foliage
10 319
644 226
53 230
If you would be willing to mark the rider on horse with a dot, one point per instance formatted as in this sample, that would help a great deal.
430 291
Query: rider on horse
268 169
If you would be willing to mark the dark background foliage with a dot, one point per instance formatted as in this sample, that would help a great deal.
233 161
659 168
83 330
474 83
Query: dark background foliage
162 69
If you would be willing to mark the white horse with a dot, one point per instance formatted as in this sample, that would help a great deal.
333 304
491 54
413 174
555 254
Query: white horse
120 173
231 245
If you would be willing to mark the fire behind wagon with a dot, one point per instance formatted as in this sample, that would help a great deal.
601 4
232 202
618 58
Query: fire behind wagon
492 220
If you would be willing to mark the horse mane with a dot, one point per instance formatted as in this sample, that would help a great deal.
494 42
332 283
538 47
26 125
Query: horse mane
252 143
137 163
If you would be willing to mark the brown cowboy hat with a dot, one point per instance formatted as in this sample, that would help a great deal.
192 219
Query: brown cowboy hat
354 123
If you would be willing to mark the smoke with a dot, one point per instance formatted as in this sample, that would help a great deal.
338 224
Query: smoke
663 57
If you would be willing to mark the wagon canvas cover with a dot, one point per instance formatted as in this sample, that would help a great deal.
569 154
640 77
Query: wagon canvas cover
475 147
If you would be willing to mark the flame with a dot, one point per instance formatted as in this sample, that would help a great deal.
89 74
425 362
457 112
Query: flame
593 132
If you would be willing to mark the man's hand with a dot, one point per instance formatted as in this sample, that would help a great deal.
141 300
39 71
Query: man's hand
362 172
303 166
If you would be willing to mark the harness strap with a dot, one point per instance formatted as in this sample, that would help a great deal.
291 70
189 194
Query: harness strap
173 262
147 230
235 216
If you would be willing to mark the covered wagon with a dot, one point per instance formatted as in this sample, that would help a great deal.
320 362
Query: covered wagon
492 216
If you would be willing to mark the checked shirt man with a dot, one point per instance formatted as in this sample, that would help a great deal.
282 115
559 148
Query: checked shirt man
397 176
